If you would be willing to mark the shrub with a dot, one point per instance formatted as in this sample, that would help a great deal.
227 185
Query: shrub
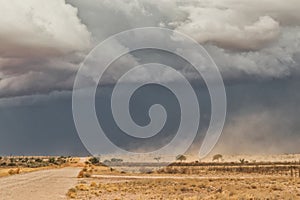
38 160
12 164
52 160
94 160
80 175
106 162
84 174
116 160
93 184
87 175
82 187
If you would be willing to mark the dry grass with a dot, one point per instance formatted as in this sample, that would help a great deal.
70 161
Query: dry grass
89 170
84 174
72 193
217 182
12 171
223 188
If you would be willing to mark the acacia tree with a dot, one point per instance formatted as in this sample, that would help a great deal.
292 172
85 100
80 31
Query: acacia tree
181 157
217 157
157 159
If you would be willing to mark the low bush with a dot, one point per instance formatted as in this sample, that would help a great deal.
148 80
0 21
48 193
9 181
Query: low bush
14 171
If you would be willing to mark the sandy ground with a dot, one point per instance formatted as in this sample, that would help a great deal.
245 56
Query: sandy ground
46 184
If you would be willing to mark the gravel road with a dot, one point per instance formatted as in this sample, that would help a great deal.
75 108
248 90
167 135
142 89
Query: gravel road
46 184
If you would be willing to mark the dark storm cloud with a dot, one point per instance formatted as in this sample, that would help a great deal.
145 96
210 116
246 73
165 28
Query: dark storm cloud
262 118
39 125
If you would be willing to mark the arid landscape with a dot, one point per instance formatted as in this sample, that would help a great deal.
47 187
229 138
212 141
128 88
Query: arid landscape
213 178
149 100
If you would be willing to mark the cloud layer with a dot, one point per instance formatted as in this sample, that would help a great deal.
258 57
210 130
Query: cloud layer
41 47
33 29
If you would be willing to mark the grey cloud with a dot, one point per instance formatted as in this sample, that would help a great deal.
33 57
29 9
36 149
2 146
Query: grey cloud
274 61
39 46
41 51
244 38
247 25
30 29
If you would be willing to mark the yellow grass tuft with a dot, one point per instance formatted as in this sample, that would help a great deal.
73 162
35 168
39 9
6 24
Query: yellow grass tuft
82 187
14 171
72 193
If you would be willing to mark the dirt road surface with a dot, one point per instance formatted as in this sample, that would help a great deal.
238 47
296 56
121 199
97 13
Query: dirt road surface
46 184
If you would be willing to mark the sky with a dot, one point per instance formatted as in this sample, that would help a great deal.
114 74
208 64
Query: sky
255 44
